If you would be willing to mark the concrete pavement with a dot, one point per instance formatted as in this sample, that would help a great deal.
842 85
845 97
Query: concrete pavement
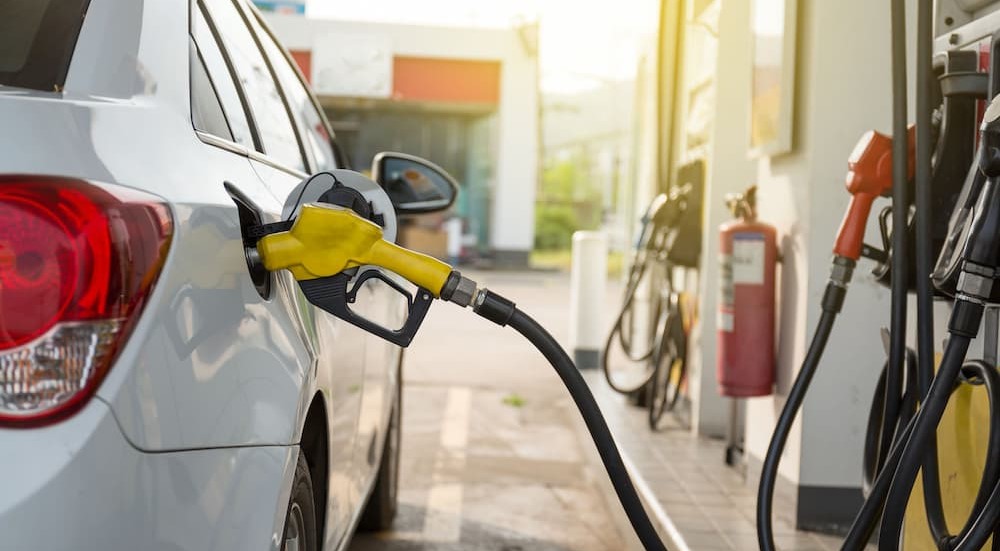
492 458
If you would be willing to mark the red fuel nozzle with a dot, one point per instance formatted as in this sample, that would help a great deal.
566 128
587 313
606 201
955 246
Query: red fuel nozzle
869 175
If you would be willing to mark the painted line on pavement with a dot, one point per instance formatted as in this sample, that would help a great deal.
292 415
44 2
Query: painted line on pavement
443 522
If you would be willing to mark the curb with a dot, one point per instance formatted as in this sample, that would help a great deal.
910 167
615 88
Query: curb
665 527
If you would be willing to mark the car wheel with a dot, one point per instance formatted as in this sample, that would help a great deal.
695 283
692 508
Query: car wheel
300 532
381 508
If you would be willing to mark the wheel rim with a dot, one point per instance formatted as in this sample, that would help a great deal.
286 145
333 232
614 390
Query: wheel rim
294 530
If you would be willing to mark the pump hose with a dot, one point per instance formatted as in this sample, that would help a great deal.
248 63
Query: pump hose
924 262
769 473
622 329
914 449
986 510
503 312
875 455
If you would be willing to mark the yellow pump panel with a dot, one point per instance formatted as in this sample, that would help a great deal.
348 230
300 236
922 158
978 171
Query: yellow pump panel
962 439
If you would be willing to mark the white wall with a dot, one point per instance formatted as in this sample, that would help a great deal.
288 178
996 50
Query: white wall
728 171
851 93
513 220
516 167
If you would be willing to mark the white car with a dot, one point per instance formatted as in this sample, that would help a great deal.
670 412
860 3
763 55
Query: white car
155 394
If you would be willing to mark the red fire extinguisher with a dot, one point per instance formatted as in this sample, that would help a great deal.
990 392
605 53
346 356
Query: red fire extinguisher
746 323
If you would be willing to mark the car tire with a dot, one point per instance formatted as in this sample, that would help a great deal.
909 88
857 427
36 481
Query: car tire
300 533
381 508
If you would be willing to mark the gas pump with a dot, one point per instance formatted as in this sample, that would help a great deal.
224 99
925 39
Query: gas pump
911 397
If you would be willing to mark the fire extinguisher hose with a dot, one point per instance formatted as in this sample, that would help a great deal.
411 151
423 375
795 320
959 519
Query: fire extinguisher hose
833 300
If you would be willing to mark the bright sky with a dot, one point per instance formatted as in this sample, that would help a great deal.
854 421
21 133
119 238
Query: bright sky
583 42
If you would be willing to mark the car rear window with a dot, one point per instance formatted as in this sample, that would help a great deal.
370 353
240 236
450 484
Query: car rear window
37 38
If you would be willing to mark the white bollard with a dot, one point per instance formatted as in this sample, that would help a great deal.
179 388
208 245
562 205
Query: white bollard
588 281
453 229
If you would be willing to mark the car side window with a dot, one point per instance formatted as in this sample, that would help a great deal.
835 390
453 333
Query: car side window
312 127
277 135
221 81
206 111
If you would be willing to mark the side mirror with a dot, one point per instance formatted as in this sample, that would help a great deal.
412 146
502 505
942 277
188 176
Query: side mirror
415 185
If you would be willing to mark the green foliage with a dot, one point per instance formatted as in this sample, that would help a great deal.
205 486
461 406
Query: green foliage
554 226
568 202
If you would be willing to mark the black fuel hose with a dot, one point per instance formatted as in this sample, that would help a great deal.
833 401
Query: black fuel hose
622 331
874 455
622 328
833 299
981 373
985 512
924 262
900 215
916 447
503 312
864 522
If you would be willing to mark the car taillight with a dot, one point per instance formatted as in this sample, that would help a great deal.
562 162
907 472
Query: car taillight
77 261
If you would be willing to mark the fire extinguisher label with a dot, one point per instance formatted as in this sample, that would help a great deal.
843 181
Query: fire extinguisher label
748 259
726 297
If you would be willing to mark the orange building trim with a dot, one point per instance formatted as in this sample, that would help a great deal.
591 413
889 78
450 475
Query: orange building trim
303 58
446 80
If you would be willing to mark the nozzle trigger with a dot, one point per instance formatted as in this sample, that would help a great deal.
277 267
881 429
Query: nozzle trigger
332 295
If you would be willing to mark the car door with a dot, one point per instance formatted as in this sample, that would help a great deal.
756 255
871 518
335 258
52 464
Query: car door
376 301
280 162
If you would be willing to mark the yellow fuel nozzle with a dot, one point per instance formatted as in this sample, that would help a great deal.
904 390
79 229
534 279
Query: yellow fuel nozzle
327 239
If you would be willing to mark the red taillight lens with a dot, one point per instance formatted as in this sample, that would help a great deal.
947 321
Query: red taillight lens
77 261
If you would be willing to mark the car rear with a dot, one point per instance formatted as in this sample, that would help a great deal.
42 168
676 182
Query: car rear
88 228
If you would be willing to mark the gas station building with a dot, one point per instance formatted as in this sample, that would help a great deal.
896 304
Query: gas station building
464 98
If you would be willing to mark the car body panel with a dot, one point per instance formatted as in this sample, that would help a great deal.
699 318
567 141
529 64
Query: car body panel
210 392
87 489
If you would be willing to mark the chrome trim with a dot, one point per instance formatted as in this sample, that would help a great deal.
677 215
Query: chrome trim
261 158
221 143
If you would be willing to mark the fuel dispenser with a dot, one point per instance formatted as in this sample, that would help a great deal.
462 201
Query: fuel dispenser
944 205
652 325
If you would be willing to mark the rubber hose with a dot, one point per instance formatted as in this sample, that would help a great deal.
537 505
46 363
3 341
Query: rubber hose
596 425
900 213
984 526
619 330
867 517
916 447
769 473
970 537
622 328
874 456
924 254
